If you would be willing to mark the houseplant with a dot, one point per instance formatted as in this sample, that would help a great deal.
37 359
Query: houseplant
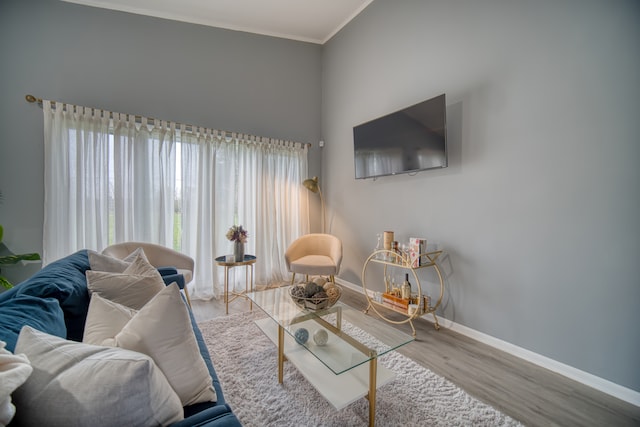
9 258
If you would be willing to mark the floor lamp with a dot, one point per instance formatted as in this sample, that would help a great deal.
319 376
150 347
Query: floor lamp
313 185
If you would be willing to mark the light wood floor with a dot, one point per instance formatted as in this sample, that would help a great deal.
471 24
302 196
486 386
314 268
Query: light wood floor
522 390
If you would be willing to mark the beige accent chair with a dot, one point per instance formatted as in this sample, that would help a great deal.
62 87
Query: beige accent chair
158 256
314 254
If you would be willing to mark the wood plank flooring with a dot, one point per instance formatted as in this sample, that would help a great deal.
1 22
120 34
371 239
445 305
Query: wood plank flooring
526 392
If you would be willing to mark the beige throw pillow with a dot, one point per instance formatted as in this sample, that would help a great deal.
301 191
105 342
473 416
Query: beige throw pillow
76 384
162 330
104 320
100 262
134 287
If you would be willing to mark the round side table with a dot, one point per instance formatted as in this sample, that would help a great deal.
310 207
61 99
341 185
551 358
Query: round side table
248 262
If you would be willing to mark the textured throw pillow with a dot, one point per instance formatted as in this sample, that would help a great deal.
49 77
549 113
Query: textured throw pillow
100 262
76 384
162 330
104 320
141 265
134 287
14 371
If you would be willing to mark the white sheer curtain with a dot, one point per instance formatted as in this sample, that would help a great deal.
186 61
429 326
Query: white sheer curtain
144 191
245 181
76 146
271 201
208 189
110 178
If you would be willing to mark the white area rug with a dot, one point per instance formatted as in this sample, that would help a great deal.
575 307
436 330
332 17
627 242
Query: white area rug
246 363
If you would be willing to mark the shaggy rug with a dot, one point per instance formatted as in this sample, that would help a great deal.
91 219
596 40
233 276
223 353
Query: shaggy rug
246 363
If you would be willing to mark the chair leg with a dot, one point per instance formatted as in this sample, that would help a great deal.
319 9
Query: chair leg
186 294
293 276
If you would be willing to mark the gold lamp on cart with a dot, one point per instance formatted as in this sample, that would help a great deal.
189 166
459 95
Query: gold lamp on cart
313 185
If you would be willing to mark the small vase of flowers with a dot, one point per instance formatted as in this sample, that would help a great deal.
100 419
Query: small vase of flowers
238 235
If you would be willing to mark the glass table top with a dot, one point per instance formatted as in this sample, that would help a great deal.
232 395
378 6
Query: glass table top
353 338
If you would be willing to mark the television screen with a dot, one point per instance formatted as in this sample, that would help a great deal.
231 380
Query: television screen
410 140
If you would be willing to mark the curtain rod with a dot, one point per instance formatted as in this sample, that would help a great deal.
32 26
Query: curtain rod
32 99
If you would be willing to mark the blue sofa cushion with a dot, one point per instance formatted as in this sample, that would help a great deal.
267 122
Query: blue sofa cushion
218 416
43 314
171 278
167 271
65 281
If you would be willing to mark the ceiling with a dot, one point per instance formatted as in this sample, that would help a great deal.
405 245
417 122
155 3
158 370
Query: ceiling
314 21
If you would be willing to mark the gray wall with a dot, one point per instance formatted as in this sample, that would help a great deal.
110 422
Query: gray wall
134 64
539 208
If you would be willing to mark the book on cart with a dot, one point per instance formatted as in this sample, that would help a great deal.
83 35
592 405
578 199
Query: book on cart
417 247
395 302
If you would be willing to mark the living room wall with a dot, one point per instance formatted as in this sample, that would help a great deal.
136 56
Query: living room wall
538 210
134 64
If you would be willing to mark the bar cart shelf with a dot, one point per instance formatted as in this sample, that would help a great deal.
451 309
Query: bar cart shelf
389 258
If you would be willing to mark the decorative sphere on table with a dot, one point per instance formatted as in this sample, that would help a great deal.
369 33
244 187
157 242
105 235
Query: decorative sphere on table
301 335
321 337
298 294
311 289
333 292
320 281
319 297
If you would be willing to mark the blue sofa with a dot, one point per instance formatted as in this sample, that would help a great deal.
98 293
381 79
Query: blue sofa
55 300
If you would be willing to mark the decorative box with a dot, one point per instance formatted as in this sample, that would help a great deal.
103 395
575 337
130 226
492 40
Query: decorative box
417 247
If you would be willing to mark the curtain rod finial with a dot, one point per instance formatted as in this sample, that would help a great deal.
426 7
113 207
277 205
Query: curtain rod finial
31 98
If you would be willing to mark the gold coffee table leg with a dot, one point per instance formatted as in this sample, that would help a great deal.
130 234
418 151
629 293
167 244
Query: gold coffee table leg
373 368
280 354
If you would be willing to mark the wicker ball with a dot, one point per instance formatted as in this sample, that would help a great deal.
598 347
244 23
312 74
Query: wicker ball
318 300
333 292
320 281
298 294
319 297
311 289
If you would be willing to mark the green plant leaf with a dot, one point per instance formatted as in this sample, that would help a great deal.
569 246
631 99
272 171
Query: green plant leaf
14 259
5 283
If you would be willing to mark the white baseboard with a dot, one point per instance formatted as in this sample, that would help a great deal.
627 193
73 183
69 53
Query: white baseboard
593 381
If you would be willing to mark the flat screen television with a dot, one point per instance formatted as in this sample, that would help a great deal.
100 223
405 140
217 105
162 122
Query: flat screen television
411 140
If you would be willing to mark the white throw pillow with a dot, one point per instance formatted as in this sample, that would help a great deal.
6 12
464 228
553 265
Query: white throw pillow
76 384
134 287
162 330
105 319
100 262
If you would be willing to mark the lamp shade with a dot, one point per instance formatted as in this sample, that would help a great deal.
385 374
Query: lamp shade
311 184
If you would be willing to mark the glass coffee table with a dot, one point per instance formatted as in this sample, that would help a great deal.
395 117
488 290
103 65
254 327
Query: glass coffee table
345 367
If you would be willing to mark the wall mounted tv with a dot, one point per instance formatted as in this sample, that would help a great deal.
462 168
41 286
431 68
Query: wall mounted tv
410 140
